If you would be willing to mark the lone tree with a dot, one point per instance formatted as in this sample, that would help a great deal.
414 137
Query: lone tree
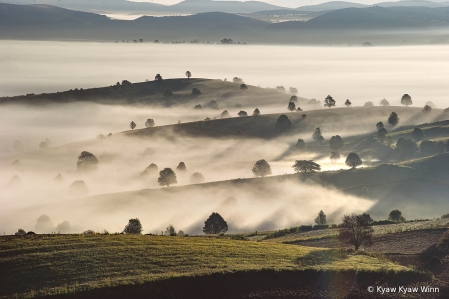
149 123
321 218
158 77
167 177
196 92
188 74
355 230
406 100
215 224
170 231
396 215
291 106
317 136
369 104
86 162
197 178
132 125
261 168
242 113
427 109
428 148
329 102
181 166
379 125
306 166
406 149
336 143
301 144
292 90
381 137
335 156
283 122
134 227
256 112
198 107
224 114
243 86
353 160
393 119
348 103
294 99
417 134
384 102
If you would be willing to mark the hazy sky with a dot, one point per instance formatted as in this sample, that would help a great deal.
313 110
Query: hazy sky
285 3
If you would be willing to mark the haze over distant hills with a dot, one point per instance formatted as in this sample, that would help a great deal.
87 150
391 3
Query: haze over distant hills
198 6
356 24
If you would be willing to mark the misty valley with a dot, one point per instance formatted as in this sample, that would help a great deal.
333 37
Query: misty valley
306 163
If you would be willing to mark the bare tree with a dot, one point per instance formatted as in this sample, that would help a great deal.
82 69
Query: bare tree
355 230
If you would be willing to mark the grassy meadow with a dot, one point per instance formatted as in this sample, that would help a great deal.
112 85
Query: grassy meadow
40 265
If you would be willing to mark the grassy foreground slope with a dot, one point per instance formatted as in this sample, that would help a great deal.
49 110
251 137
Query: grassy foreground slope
65 264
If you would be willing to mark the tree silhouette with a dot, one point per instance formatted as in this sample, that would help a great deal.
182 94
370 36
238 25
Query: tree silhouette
336 143
329 102
335 155
283 122
369 104
132 125
158 77
348 103
197 178
167 177
43 144
355 230
384 102
261 168
243 86
237 80
78 188
188 74
225 114
379 125
406 100
134 227
406 149
417 134
86 162
215 224
293 91
300 144
294 99
242 113
393 119
396 215
256 112
291 106
149 123
198 106
196 92
321 218
317 136
427 109
306 166
181 166
170 231
353 160
213 104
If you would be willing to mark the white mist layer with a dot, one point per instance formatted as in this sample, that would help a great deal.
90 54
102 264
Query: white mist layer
360 74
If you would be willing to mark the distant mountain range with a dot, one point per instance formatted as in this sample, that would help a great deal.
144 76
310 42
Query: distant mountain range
46 22
199 6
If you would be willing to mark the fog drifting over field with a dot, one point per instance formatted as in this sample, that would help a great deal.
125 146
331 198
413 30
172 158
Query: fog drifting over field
357 73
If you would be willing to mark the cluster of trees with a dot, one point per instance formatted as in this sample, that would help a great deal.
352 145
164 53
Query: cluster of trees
215 224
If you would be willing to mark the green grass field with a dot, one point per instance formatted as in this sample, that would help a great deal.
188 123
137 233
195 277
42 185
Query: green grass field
64 264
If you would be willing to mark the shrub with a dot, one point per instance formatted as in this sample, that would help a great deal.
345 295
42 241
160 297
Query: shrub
445 216
88 232
134 227
321 226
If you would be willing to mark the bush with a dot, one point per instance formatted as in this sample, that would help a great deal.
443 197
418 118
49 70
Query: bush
445 216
